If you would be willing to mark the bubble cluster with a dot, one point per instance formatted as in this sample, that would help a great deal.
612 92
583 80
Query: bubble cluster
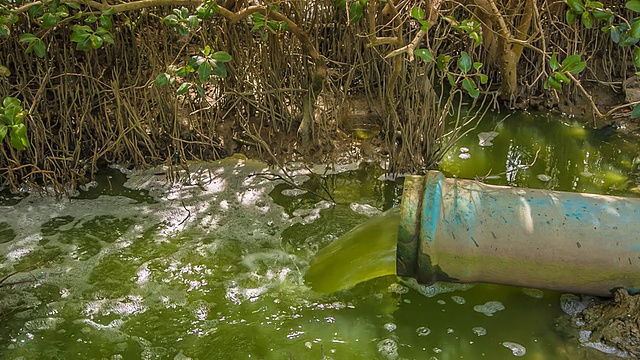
479 330
423 331
489 308
388 348
516 349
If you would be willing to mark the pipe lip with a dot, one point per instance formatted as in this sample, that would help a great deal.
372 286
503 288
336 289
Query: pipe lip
428 270
408 241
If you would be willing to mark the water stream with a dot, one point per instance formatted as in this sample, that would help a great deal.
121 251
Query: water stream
213 267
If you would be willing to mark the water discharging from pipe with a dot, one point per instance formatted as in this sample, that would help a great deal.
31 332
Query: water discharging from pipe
366 252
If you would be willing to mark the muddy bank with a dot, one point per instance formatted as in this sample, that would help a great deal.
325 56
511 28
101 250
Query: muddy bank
611 326
615 323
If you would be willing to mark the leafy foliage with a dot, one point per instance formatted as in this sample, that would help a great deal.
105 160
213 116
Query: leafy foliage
12 123
198 71
570 65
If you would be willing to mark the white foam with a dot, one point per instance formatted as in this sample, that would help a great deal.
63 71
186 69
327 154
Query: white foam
388 348
516 349
489 308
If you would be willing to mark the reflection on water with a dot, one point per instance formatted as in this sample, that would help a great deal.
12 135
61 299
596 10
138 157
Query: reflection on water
212 268
538 151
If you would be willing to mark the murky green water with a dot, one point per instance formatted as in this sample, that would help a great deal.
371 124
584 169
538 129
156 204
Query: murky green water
213 268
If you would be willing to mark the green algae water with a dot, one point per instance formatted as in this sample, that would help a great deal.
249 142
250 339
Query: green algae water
212 267
364 253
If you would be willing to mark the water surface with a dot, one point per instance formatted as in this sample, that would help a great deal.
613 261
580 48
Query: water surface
212 267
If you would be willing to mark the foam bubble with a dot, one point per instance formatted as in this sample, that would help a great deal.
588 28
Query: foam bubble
479 330
516 349
390 327
423 331
458 300
489 308
534 293
437 288
572 304
388 348
365 209
396 288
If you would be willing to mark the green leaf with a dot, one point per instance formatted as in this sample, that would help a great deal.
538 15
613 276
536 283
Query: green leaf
182 72
635 29
554 83
340 4
84 45
101 31
73 5
183 88
80 33
108 38
570 62
221 56
477 65
465 63
28 38
635 113
3 131
587 20
170 20
220 70
4 71
19 130
49 20
4 31
576 5
452 81
62 12
18 137
162 79
553 63
424 25
561 77
96 41
207 50
483 78
633 5
105 22
355 12
110 11
604 15
39 48
418 13
200 90
636 57
91 19
443 61
628 41
579 67
424 54
193 21
204 72
615 34
10 101
475 36
470 85
571 17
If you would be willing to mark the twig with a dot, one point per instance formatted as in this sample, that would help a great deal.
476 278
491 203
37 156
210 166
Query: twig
188 213
519 167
